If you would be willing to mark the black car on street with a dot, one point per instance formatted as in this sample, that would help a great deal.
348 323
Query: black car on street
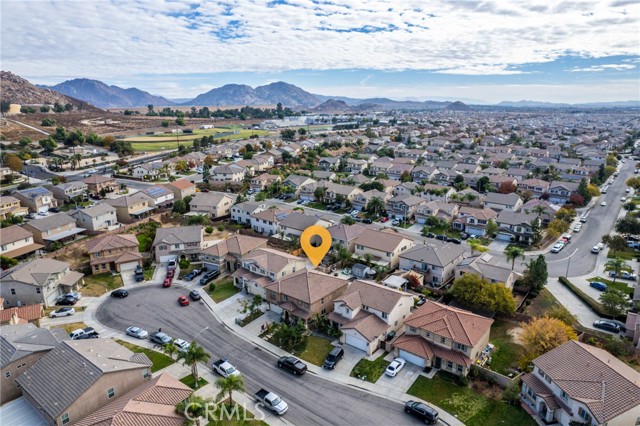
119 293
421 411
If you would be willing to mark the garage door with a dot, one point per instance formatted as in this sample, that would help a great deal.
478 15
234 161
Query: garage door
129 266
503 237
413 359
357 342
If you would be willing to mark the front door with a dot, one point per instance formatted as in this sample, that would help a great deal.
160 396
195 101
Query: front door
438 362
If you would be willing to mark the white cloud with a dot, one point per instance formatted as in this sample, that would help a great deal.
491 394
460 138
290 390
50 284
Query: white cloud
604 67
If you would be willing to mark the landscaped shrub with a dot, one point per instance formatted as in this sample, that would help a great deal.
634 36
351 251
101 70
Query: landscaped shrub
595 306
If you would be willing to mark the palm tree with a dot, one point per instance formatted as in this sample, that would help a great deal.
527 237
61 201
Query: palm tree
170 349
539 209
476 245
368 259
192 357
375 205
194 408
512 253
618 266
229 384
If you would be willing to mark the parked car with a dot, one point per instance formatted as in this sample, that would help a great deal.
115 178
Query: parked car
72 295
455 240
191 275
172 264
54 210
384 219
182 345
598 285
394 368
183 300
332 359
603 204
623 199
595 249
395 222
84 333
367 221
607 325
577 228
208 277
294 365
119 293
43 213
464 236
171 273
271 402
421 411
557 248
195 295
137 332
167 282
66 301
624 275
421 300
430 235
62 312
160 338
441 237
224 368
139 274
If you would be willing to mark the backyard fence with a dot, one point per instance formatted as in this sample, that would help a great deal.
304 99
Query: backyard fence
501 380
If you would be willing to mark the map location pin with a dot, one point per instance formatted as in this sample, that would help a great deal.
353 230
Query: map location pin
316 242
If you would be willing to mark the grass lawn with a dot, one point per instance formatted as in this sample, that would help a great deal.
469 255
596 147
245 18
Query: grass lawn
318 206
191 267
317 350
446 230
224 289
469 406
148 273
627 254
97 285
241 417
166 142
144 242
542 304
189 381
158 359
370 370
506 353
71 326
618 285
67 207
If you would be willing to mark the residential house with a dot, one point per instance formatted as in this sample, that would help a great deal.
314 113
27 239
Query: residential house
423 173
367 312
182 188
160 196
22 346
10 206
487 267
519 174
263 266
262 162
130 208
404 207
241 212
65 192
328 163
321 175
436 263
100 217
471 198
396 171
260 182
39 281
268 222
114 253
97 372
443 337
544 209
304 295
151 171
227 173
345 235
389 185
226 255
20 315
439 209
474 221
8 176
576 383
536 186
560 192
516 227
335 192
356 165
297 182
295 223
99 185
37 199
384 246
17 242
406 188
182 242
59 227
500 202
361 201
212 204
152 403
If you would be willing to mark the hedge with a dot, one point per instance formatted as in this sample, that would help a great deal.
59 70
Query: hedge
594 305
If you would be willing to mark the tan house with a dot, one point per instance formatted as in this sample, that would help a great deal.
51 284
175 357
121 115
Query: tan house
58 227
367 312
436 262
10 206
262 181
114 253
304 295
212 204
345 235
404 207
385 246
23 345
94 372
443 337
182 188
130 208
226 255
37 200
182 242
227 173
97 184
361 201
488 268
17 242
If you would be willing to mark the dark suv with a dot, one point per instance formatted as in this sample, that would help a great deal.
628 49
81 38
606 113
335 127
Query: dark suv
607 325
208 277
139 273
421 411
332 359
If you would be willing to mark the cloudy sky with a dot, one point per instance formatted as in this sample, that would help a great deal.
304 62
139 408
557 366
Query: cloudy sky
567 51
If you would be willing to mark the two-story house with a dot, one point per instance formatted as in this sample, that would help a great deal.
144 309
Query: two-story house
328 163
384 246
226 255
17 242
227 173
130 208
498 202
439 209
436 263
345 235
295 223
488 267
59 227
361 201
537 187
10 206
305 294
443 337
65 192
261 267
423 173
212 204
96 371
37 200
367 312
39 281
101 217
182 242
473 220
355 165
336 192
182 188
114 253
297 182
260 182
267 222
516 227
560 192
160 196
241 212
577 383
98 185
404 207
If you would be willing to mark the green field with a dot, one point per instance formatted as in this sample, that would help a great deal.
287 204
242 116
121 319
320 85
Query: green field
169 141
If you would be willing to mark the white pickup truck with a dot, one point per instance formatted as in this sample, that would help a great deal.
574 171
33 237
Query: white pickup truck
224 368
271 402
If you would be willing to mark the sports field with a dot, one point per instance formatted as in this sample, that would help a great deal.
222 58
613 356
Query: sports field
166 141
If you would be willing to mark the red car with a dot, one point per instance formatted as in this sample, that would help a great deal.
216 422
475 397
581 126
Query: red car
183 300
171 273
167 282
384 219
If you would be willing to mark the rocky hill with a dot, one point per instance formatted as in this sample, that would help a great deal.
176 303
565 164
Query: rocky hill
332 106
288 94
102 95
458 106
270 94
17 90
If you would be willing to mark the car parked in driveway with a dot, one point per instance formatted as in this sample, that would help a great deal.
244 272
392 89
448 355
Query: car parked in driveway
598 285
607 325
120 293
62 312
172 264
332 359
208 277
66 301
167 282
394 368
191 275
84 333
160 338
625 275
137 332
421 411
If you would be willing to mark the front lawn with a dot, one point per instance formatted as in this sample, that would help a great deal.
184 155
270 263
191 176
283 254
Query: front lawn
71 326
223 290
620 284
189 381
97 285
505 355
318 206
158 359
144 242
370 370
228 417
470 407
317 350
626 254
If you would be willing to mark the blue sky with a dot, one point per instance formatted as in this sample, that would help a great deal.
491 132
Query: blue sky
571 51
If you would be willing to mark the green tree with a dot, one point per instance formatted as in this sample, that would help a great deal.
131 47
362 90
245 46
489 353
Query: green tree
538 272
512 253
48 122
13 162
227 385
195 407
7 262
483 184
618 266
192 356
170 349
614 301
476 246
319 193
615 242
583 190
48 145
474 291
375 206
165 123
291 338
180 121
633 182
405 176
492 228
347 220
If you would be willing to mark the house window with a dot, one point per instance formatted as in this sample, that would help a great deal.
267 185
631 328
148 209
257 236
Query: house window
385 315
111 393
176 246
413 329
13 291
65 418
38 290
442 340
565 396
285 297
462 347
450 365
459 369
584 415
322 301
7 374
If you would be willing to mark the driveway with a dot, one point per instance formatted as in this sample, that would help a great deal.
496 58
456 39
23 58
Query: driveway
403 380
498 246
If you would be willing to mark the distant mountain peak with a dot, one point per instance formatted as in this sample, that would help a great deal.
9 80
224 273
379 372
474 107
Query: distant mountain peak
458 106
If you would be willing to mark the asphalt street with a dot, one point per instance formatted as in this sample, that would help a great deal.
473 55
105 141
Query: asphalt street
312 400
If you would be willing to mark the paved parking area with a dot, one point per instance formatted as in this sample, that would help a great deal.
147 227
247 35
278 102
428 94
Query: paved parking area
403 380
